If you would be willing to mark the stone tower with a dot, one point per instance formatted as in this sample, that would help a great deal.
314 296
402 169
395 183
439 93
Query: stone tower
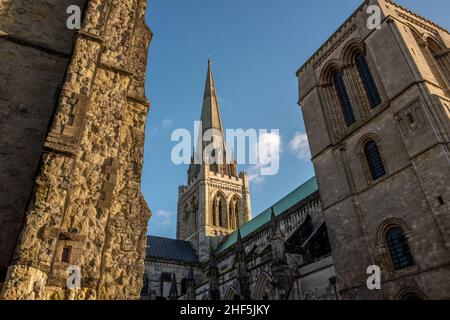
76 110
376 104
216 199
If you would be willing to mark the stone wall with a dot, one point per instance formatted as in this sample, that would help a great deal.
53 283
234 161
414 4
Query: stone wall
159 278
411 130
35 49
305 280
86 209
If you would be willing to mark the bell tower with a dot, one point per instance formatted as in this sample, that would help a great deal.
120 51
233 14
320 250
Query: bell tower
216 199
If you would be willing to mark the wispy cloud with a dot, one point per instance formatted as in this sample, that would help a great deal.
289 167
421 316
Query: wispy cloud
222 100
300 147
165 124
164 217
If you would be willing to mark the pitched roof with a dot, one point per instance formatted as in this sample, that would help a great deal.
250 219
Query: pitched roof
299 194
170 249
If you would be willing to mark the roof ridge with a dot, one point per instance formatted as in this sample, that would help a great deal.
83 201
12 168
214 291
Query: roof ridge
223 245
291 193
166 238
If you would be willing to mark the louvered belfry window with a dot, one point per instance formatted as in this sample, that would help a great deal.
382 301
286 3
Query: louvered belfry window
367 79
346 106
399 249
374 161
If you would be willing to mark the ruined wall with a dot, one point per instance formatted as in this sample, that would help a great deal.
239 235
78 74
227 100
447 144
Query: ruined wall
86 209
35 49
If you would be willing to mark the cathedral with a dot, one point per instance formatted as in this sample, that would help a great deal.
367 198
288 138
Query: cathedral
373 223
221 253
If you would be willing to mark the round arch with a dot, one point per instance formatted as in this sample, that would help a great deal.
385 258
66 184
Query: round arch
389 224
326 76
364 139
411 294
350 50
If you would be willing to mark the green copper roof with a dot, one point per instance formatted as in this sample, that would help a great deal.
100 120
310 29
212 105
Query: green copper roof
299 194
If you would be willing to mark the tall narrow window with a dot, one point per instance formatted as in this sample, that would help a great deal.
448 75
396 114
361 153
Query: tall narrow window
346 105
236 213
367 79
439 65
222 214
231 217
214 209
399 249
374 161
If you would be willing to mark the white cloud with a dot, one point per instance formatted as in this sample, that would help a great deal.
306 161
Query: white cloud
164 217
300 147
269 148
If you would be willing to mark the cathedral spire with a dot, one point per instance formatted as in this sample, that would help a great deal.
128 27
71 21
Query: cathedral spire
210 111
211 120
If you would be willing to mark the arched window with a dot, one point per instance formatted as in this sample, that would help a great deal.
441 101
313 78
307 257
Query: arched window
399 249
374 161
346 105
411 296
367 79
222 206
194 206
186 227
219 211
231 221
439 63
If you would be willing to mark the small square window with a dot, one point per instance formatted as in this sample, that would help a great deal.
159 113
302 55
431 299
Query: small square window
410 118
65 256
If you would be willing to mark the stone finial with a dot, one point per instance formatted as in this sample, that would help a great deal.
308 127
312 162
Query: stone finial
173 288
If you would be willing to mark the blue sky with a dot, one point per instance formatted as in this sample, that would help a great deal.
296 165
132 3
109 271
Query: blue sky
256 47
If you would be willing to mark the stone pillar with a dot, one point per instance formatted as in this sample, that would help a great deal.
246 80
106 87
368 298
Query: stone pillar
245 199
190 285
241 268
213 275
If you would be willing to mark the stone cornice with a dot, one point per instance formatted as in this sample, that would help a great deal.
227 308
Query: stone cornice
416 16
325 50
331 39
